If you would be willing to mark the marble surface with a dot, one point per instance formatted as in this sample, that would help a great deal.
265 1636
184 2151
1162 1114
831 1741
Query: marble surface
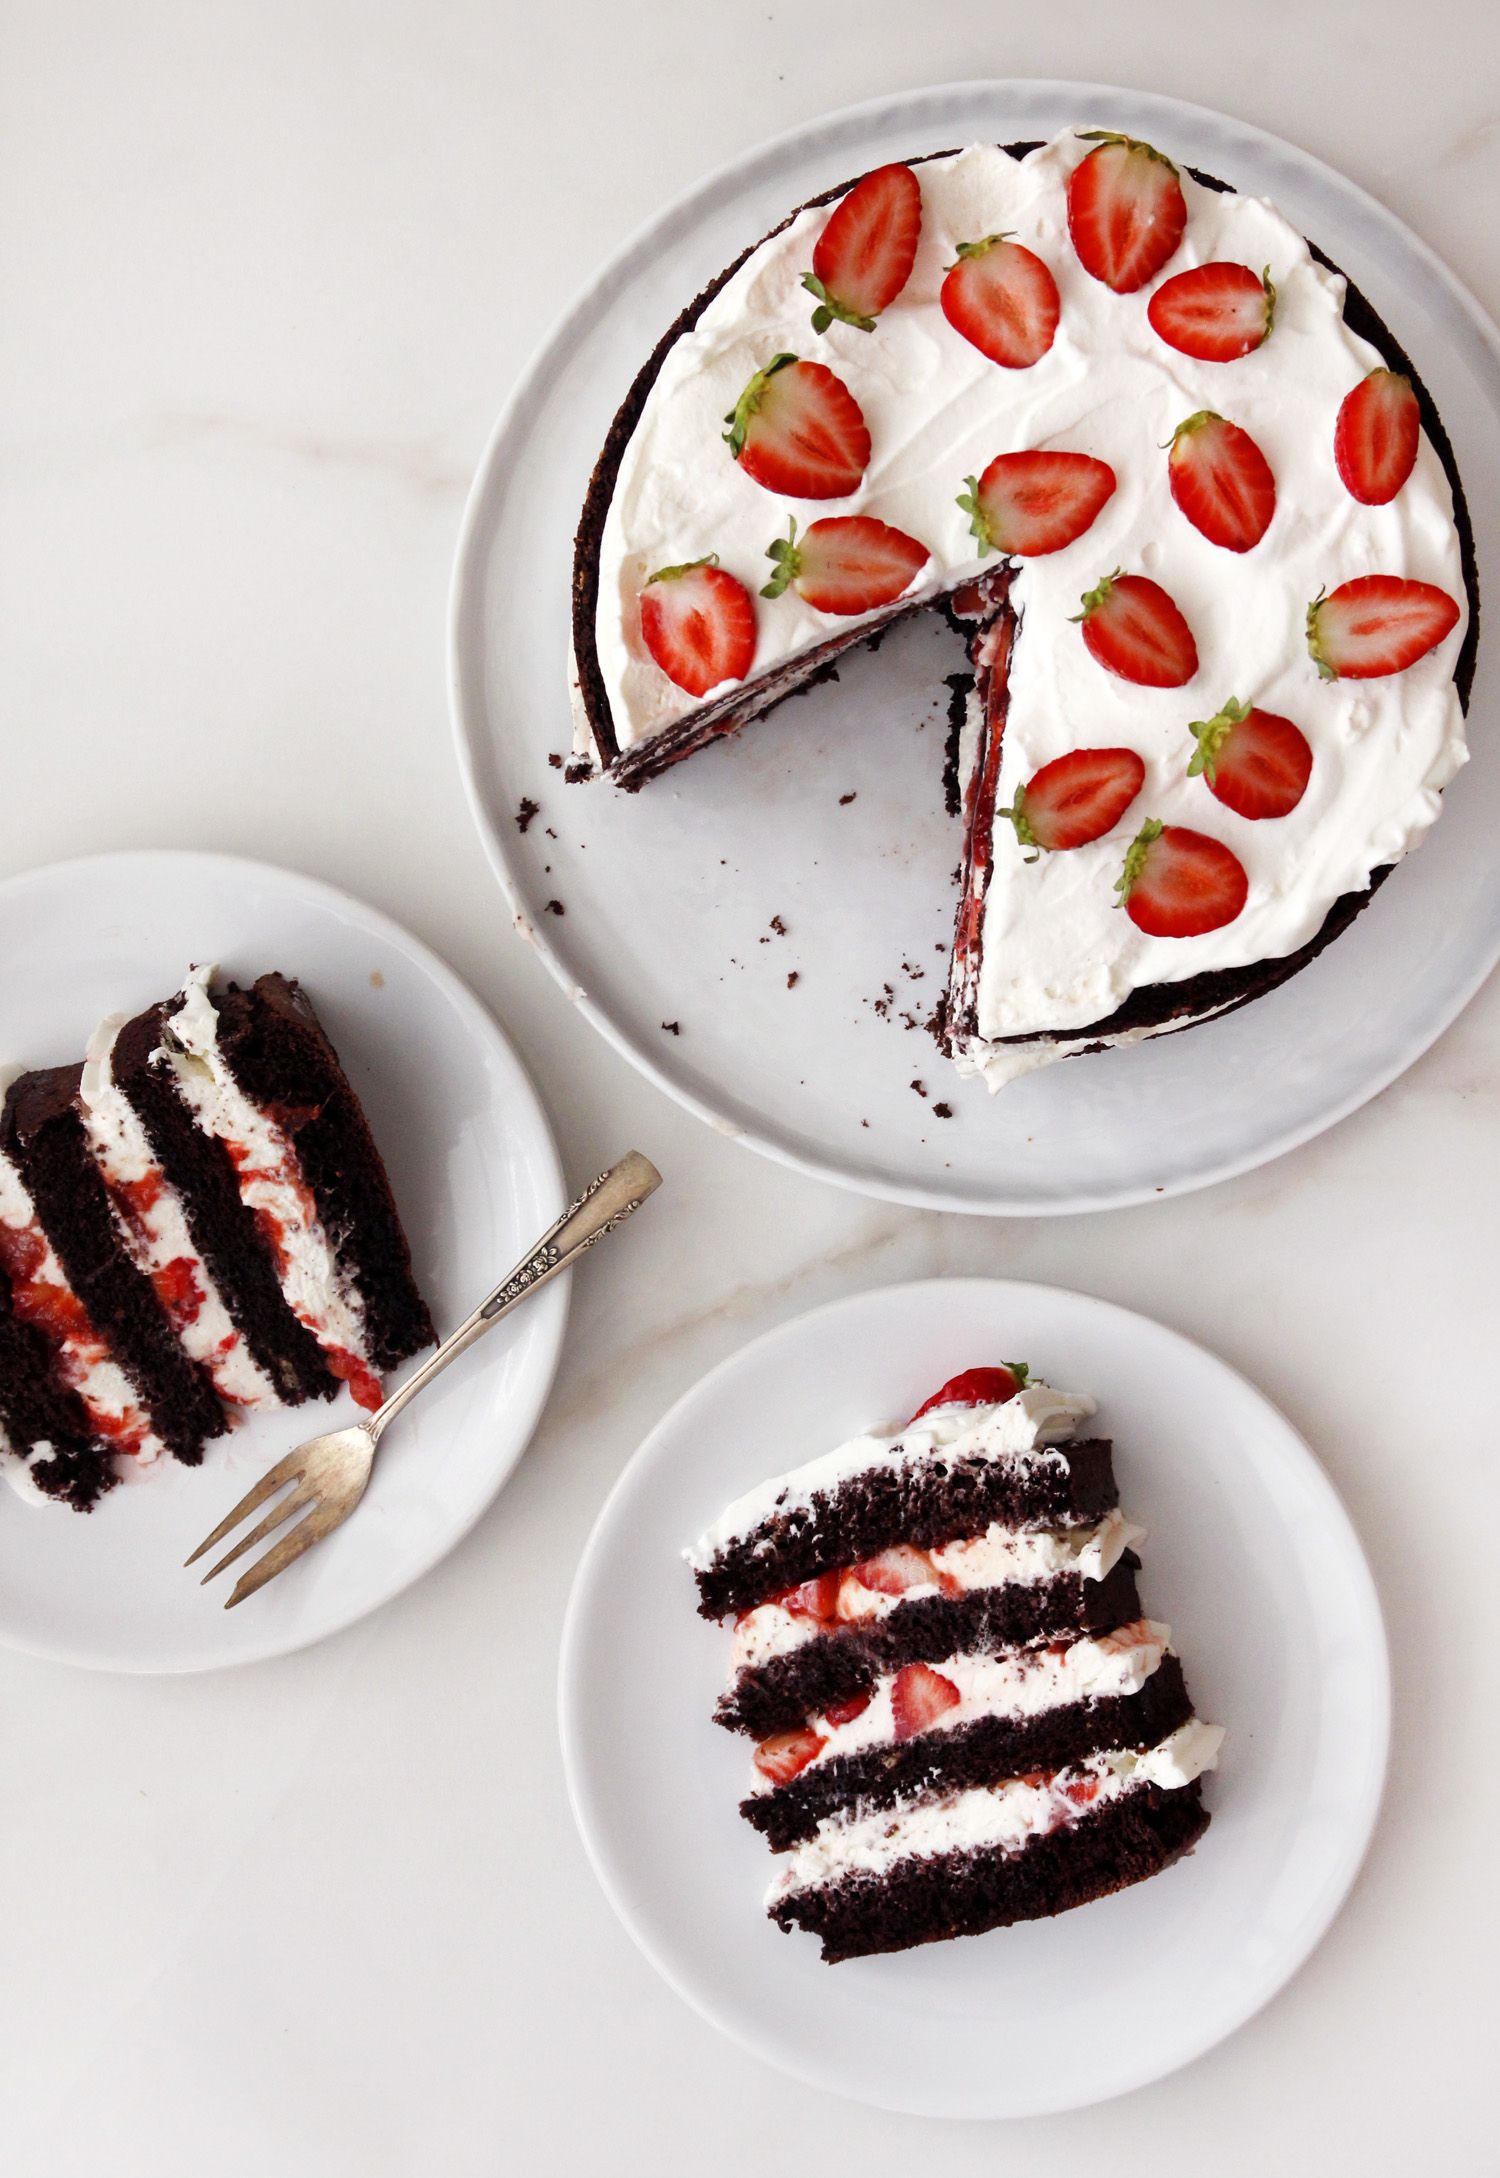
269 272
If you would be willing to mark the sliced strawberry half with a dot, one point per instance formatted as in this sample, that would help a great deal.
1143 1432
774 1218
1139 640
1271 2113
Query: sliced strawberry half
1221 480
865 253
847 563
1132 627
1126 210
1179 884
1002 298
798 430
846 1712
893 1571
919 1696
1032 503
1376 436
977 1388
1215 313
816 1599
1074 799
1256 762
786 1754
1375 625
698 624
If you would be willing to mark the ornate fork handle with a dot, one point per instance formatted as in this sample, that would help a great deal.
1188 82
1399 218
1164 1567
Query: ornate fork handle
604 1203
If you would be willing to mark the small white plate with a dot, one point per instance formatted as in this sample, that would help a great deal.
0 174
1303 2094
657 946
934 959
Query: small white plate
668 894
1249 1556
476 1179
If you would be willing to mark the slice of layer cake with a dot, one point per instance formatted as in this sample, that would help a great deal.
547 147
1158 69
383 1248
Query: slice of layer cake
963 1719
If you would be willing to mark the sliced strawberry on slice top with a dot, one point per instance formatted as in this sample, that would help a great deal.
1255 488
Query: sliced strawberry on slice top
1002 298
1032 503
919 1696
977 1388
1180 884
1133 628
698 624
786 1754
1221 480
846 1712
847 563
865 253
1215 313
1376 436
1074 799
797 429
1375 625
1255 762
893 1571
816 1599
1126 210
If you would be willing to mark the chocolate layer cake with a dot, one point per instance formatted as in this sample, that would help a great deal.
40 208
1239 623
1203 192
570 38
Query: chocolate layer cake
969 1722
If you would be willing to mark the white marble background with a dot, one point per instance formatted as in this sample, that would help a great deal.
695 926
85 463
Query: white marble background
267 271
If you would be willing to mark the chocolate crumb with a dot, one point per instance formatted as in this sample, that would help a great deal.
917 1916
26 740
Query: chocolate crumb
554 760
778 926
550 833
577 771
920 1087
864 1123
942 1111
673 1028
525 812
793 980
555 907
845 800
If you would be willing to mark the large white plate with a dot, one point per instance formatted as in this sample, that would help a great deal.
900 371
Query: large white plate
476 1177
1249 1556
668 893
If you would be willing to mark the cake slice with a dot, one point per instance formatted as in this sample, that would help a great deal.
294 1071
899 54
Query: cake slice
962 1717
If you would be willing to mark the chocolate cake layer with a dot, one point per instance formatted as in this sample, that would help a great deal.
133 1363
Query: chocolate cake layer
927 1900
43 1134
831 1668
225 1232
986 1751
274 1045
37 1409
927 1502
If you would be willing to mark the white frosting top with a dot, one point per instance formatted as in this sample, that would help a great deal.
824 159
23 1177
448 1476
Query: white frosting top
1020 1683
270 1181
1056 953
154 1224
1018 1430
995 1816
1000 1558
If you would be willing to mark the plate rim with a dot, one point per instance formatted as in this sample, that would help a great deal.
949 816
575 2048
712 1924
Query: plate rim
470 1007
1297 1453
464 624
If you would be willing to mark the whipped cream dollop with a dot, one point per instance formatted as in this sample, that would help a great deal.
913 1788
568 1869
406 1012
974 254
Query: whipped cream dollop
1057 954
1004 1817
1019 1429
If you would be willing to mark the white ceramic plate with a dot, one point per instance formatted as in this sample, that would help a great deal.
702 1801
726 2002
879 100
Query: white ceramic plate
668 893
1249 1556
476 1178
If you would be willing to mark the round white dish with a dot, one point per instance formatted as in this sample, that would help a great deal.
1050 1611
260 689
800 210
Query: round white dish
1249 1556
476 1178
669 895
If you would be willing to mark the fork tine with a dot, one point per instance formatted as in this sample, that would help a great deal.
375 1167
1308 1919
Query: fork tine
308 1531
280 1511
281 1473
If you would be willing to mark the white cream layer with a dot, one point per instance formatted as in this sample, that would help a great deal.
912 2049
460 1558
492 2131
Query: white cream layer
992 1817
1057 953
1000 1558
269 1175
158 1235
1021 1683
1017 1431
85 1363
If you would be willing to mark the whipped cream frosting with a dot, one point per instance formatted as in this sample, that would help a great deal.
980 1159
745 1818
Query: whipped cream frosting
999 1558
1020 1430
1021 1683
270 1179
84 1361
994 1817
154 1224
1057 954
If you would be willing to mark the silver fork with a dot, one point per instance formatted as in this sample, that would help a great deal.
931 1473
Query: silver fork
329 1473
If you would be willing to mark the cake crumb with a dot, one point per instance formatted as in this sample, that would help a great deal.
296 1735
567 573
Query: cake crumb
942 1111
526 810
673 1028
845 800
793 980
577 771
550 833
555 907
864 1123
377 980
778 926
554 760
920 1087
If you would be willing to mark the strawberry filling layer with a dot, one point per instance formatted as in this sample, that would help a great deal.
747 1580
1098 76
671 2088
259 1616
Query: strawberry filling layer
42 1296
